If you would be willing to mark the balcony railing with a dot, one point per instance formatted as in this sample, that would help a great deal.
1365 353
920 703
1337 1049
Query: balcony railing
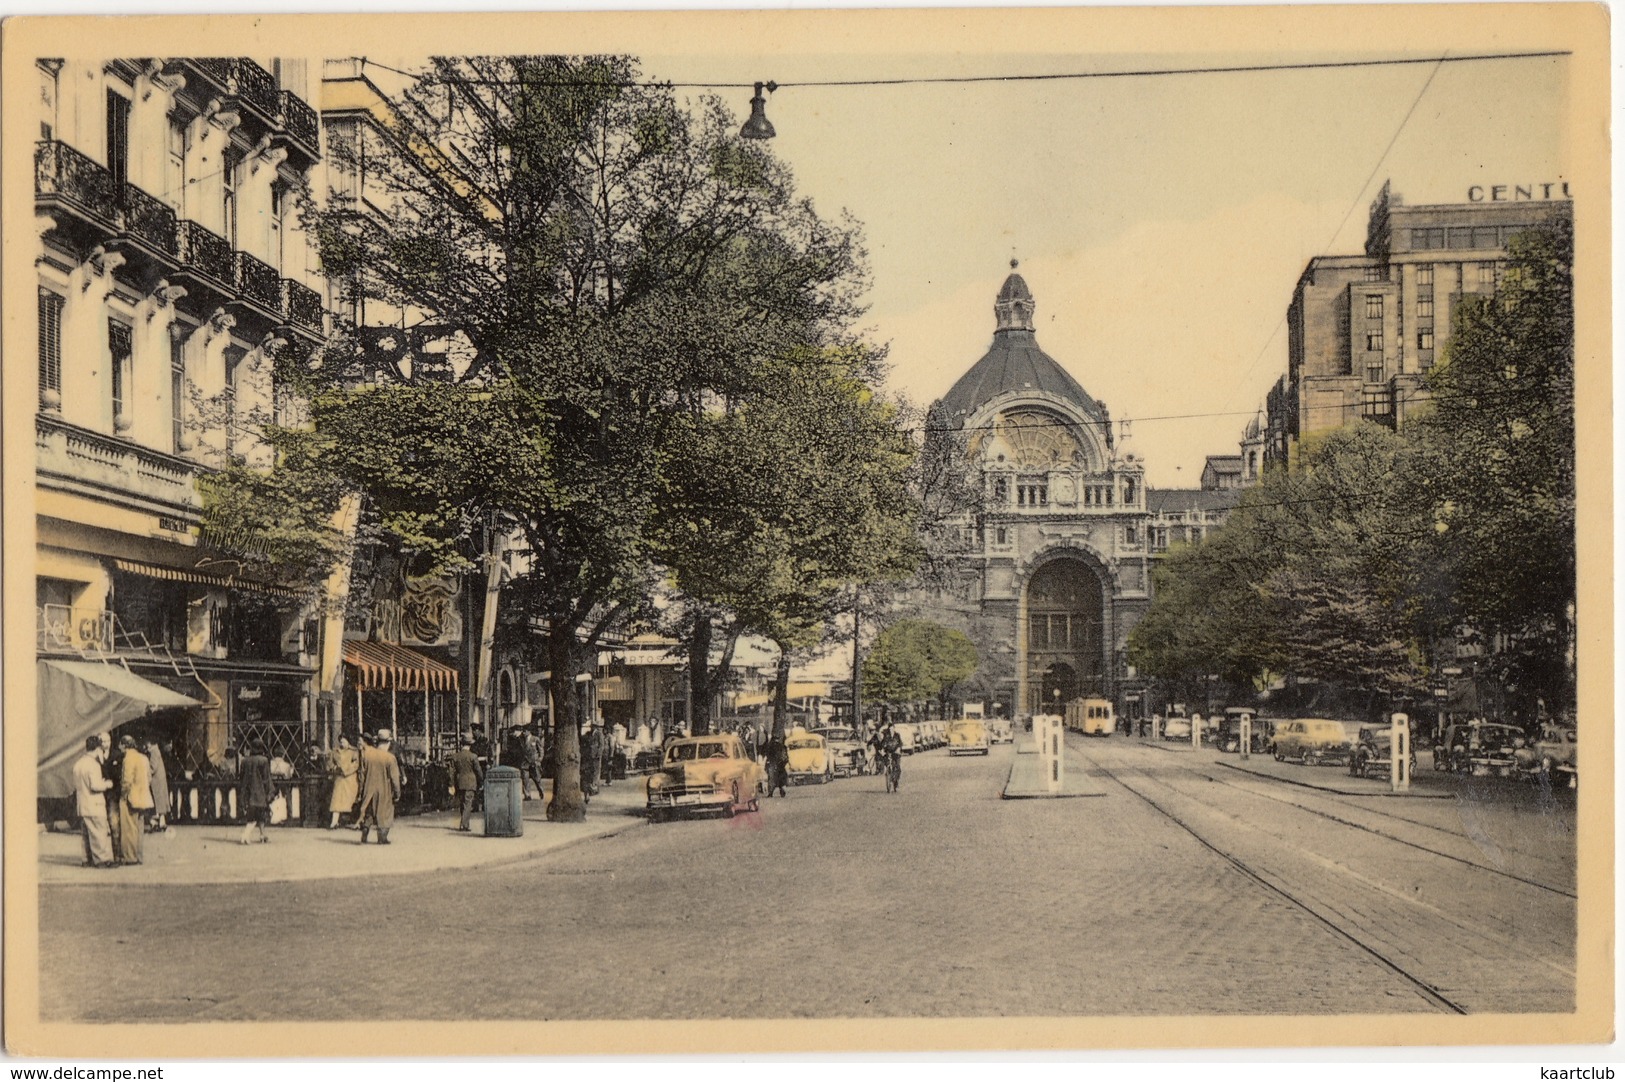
84 457
240 76
205 252
151 220
302 304
63 172
299 119
257 281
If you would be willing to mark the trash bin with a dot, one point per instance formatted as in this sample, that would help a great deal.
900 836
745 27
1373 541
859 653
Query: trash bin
504 798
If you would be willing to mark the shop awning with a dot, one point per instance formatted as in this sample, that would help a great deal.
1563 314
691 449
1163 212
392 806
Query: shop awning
385 665
796 690
78 698
186 574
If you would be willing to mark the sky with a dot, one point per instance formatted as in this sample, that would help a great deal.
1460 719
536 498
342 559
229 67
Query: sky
1160 222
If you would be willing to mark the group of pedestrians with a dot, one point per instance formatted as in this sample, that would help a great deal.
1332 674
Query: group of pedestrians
121 795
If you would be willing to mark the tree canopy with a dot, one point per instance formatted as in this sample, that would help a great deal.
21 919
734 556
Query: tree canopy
914 659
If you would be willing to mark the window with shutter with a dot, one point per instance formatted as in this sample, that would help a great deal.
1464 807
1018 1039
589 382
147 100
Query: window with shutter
50 347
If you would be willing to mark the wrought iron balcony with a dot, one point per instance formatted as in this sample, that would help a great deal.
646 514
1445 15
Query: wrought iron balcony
257 282
205 253
302 304
243 79
299 120
62 174
150 220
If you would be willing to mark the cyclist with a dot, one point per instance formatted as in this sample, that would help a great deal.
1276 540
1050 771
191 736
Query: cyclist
889 756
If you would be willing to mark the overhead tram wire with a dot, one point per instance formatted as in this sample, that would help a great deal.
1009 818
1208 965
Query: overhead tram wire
1358 195
946 80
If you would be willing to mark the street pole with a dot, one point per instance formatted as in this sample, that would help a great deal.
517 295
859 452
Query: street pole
857 673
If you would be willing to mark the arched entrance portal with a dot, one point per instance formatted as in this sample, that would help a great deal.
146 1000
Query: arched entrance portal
1065 621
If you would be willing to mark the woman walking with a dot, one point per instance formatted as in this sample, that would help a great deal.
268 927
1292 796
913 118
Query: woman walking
343 763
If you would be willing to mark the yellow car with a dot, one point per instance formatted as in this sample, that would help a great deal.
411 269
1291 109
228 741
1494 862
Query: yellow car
810 757
704 773
1312 740
967 737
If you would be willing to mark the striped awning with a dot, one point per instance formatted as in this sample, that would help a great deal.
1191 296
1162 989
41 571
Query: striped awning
385 665
798 689
185 574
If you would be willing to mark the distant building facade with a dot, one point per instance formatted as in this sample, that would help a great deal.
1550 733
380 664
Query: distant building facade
1363 330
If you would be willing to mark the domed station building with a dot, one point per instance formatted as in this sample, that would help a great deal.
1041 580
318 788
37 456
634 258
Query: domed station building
1055 566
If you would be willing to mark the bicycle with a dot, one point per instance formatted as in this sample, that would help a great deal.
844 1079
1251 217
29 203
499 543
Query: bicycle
893 769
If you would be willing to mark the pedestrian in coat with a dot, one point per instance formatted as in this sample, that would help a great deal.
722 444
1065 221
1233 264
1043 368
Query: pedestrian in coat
160 786
466 777
778 765
592 755
256 791
530 769
135 800
380 778
90 786
343 763
113 762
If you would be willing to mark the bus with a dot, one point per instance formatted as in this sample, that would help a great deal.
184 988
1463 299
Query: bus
1091 717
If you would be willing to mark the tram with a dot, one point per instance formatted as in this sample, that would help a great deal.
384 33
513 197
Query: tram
1091 717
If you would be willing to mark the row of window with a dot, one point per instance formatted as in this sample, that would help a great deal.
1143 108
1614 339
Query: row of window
121 359
1464 236
1034 492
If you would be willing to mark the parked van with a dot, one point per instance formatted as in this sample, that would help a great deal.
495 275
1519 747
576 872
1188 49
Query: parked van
1311 740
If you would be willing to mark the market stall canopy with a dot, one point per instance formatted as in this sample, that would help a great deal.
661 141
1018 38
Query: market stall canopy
382 665
78 698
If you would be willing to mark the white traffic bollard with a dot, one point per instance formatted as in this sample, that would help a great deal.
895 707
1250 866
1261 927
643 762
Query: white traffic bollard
1246 735
1399 749
1047 730
1196 732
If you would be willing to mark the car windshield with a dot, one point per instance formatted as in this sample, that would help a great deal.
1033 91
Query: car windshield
836 734
684 753
804 742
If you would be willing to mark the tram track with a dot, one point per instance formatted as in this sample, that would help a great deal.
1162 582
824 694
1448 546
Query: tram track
1394 925
1343 821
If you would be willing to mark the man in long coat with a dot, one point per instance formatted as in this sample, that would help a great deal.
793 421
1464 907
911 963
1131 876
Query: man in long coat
134 800
466 776
90 785
380 787
254 778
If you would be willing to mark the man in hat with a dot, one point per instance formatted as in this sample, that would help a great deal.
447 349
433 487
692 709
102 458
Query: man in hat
135 800
466 776
89 786
380 787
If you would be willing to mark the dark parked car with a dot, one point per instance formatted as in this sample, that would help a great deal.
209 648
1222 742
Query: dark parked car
1227 737
1484 748
1374 752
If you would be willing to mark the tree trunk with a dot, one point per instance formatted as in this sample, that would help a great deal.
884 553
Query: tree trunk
567 660
699 675
781 692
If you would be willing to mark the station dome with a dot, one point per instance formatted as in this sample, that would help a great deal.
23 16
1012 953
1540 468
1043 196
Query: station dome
1015 363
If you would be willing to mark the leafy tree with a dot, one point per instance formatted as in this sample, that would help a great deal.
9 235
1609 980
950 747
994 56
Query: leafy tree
787 500
607 264
1497 473
917 659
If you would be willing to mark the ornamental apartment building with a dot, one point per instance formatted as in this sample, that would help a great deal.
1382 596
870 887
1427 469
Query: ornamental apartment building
172 271
1363 330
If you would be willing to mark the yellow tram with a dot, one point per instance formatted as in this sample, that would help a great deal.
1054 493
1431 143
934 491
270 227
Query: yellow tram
1091 717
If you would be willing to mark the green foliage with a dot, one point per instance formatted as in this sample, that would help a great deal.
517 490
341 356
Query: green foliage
913 660
278 525
1377 545
1499 455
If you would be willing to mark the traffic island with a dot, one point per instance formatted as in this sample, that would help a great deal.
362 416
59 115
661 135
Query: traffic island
1027 780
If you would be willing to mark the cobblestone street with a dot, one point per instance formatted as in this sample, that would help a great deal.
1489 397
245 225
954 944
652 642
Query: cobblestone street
1188 888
